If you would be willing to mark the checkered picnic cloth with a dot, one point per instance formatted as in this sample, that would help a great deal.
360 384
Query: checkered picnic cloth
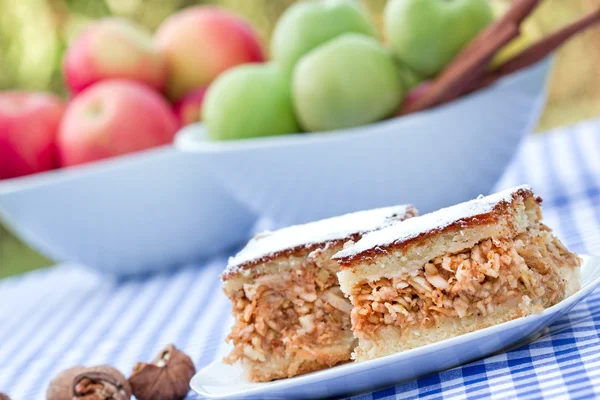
67 315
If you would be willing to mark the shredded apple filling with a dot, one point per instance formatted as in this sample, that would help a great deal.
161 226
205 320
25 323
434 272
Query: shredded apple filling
468 283
291 314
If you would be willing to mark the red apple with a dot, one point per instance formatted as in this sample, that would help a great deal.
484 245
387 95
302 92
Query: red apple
415 94
113 118
200 42
110 49
28 125
188 109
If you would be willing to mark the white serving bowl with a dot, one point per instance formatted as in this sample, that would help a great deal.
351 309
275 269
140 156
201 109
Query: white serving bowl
432 159
129 215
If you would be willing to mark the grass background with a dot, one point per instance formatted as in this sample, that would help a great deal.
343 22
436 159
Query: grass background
34 34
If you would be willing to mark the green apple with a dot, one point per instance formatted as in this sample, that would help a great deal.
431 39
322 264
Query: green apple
428 34
409 78
306 25
249 101
349 81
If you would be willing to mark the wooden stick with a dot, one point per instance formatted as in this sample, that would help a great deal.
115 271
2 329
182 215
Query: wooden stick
539 50
471 63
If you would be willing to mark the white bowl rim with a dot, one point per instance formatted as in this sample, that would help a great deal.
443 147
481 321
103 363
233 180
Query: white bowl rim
76 171
193 138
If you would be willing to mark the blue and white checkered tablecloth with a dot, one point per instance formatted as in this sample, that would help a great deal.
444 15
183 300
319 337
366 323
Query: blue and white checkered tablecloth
67 315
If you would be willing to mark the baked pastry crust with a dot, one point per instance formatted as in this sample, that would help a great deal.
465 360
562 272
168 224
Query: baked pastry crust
454 271
291 316
298 240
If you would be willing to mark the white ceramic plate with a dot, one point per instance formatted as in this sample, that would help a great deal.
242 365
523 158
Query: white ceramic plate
220 381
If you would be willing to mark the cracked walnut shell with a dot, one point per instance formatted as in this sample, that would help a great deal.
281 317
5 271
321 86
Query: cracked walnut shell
166 378
61 387
101 383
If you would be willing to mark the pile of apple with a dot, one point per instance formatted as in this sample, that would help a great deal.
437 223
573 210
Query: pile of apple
129 90
329 70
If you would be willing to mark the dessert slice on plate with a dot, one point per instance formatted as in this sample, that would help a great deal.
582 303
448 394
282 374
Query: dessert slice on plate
291 317
454 271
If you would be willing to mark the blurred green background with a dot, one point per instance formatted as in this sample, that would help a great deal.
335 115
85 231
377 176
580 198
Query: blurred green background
35 33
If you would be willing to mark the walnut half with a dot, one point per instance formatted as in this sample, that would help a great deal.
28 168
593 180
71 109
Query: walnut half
94 383
101 383
61 387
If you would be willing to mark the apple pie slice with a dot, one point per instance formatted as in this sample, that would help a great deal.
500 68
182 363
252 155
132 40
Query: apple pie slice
454 271
291 317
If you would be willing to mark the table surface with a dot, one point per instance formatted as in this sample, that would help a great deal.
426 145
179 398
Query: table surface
67 315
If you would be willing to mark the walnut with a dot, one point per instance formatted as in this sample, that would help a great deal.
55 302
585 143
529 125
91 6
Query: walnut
4 396
95 383
101 383
166 378
61 387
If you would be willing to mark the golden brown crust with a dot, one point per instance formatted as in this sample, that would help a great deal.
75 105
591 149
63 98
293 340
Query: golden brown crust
298 251
301 240
501 210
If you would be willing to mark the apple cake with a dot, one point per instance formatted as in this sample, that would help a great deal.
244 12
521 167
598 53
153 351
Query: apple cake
454 271
290 315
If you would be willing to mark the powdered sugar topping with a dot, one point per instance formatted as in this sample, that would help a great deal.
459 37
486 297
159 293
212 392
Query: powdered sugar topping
270 243
440 219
